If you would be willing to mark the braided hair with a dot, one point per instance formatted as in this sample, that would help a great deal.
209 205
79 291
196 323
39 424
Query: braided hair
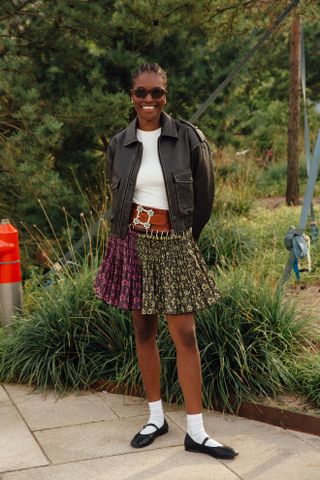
150 68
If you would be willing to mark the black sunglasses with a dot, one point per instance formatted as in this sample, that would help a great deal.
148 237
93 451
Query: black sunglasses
155 92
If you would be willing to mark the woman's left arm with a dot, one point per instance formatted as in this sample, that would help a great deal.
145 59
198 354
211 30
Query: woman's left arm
203 186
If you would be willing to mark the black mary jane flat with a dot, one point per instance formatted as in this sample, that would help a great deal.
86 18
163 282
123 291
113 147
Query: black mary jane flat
140 441
216 452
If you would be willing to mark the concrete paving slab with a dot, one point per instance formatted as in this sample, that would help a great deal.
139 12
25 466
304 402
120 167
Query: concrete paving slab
166 463
275 456
137 405
265 452
18 448
100 439
48 411
125 406
219 425
101 449
313 440
4 399
16 390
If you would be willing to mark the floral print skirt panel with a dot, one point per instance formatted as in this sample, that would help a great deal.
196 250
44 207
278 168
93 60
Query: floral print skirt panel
155 274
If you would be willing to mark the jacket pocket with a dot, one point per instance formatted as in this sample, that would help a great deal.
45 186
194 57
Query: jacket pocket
115 183
184 189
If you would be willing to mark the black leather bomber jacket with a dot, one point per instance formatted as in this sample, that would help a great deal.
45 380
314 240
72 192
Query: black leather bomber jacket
186 162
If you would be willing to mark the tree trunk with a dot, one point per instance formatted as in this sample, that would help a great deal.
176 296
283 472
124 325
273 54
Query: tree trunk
292 193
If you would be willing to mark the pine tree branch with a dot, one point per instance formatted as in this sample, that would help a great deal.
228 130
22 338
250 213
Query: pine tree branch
17 9
8 124
220 11
173 10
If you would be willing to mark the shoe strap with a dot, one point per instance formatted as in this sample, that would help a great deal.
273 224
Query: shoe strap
152 425
205 440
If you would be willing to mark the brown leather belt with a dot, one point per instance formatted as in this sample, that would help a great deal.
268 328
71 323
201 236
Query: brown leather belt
149 219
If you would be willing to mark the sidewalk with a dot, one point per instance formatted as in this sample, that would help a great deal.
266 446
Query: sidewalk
88 436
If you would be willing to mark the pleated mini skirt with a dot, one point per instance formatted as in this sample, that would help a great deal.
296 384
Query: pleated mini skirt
155 274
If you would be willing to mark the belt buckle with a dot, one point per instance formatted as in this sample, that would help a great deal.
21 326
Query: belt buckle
136 220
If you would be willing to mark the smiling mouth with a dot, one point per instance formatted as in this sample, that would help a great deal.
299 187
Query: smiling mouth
148 107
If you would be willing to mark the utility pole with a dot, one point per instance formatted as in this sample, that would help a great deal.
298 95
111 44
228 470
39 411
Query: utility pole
292 193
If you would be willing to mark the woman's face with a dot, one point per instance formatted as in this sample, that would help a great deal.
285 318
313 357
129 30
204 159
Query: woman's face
148 109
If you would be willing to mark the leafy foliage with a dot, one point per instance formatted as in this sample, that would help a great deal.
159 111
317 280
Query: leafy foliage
65 70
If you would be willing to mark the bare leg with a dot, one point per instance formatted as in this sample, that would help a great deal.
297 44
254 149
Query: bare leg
183 333
145 329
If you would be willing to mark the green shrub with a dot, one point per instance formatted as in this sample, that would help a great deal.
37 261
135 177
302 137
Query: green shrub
69 340
273 181
224 243
226 171
248 340
234 199
307 376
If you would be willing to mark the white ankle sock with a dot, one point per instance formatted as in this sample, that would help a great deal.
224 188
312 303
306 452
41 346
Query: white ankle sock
197 432
156 416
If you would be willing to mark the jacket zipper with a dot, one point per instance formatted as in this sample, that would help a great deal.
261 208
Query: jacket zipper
126 188
166 183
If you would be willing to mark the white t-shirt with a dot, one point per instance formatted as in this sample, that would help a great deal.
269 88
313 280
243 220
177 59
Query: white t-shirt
150 187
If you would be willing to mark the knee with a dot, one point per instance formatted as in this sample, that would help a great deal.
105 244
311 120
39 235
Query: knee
186 339
144 335
145 328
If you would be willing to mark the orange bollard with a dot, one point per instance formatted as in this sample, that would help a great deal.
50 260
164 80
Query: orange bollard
10 272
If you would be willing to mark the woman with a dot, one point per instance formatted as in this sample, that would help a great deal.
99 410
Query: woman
162 192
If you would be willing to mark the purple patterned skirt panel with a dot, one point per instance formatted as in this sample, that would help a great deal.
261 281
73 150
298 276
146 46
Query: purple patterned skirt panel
119 278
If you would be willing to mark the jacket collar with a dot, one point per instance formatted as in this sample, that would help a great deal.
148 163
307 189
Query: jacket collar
168 129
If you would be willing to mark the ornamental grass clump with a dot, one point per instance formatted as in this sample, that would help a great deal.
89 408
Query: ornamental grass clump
234 199
307 376
225 244
69 341
235 184
248 341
